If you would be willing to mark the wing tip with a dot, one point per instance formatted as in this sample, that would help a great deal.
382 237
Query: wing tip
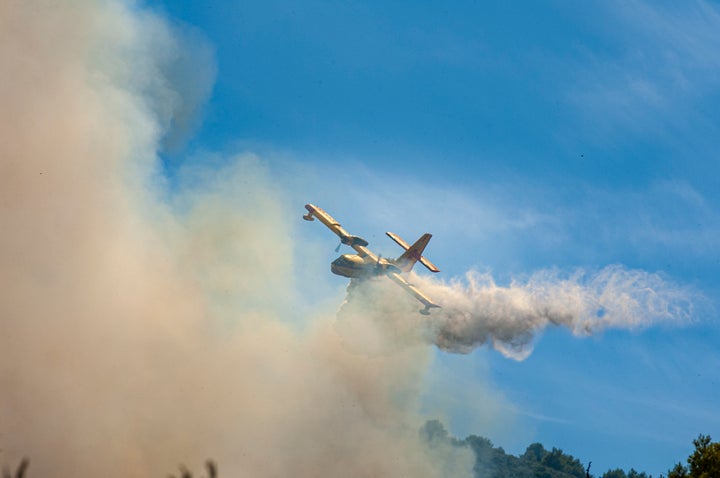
429 305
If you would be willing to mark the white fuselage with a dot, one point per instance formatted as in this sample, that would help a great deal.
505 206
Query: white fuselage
353 266
356 267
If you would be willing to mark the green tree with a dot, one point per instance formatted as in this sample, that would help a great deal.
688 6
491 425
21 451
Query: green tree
535 452
434 432
617 473
635 474
703 463
557 460
678 471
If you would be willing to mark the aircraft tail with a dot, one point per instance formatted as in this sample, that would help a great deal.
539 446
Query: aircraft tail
413 253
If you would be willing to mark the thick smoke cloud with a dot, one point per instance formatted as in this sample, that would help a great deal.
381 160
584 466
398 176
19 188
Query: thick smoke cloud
141 327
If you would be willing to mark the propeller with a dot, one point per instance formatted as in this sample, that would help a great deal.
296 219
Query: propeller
337 249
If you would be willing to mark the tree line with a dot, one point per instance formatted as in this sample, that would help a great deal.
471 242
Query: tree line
536 462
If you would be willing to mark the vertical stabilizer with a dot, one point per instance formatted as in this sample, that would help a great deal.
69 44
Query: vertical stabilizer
413 253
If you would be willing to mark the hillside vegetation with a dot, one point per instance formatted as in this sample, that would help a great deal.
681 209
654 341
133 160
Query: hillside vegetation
538 462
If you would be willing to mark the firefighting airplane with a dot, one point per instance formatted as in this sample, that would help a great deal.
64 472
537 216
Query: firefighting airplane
365 264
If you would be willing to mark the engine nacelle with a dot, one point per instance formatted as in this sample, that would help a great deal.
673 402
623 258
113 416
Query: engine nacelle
353 241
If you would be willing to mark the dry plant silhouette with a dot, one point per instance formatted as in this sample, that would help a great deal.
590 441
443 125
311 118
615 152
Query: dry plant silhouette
210 467
19 472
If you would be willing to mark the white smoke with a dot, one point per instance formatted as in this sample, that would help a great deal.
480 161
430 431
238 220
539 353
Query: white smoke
477 311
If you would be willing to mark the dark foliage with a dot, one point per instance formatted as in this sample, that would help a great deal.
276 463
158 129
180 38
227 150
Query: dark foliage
703 463
618 473
536 462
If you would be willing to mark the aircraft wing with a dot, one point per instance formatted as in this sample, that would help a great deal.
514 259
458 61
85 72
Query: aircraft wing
412 290
356 242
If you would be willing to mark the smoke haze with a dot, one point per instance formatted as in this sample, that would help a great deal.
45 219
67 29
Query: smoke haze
136 332
142 326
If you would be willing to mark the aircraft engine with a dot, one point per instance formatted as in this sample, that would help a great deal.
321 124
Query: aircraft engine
354 241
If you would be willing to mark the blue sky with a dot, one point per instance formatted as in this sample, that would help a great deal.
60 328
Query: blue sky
525 136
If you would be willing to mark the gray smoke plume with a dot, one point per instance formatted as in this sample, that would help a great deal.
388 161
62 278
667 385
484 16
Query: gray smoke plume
140 326
476 311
